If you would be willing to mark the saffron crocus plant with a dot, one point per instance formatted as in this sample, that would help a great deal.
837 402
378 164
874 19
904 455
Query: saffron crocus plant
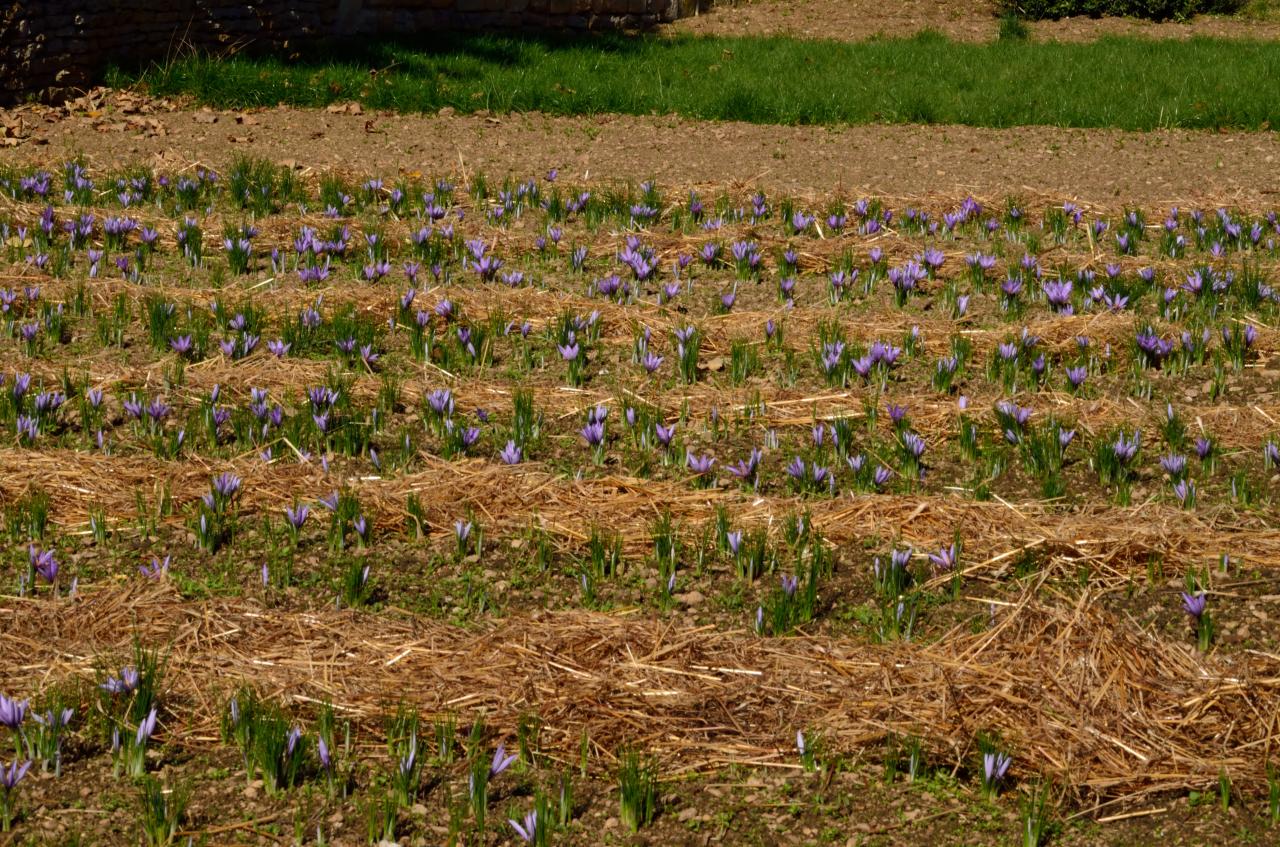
12 713
130 746
9 779
478 782
912 448
995 766
594 434
531 830
1114 460
807 747
573 356
1196 605
51 726
408 773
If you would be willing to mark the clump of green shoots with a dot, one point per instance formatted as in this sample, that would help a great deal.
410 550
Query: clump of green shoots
903 756
1115 459
482 771
687 341
1037 822
637 791
51 726
160 811
129 702
402 746
1273 793
269 744
808 745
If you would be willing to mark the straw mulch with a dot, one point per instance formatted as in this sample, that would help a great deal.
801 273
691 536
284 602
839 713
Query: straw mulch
507 500
1076 694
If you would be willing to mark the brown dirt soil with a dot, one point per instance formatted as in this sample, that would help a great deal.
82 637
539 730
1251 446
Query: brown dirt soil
1101 167
963 20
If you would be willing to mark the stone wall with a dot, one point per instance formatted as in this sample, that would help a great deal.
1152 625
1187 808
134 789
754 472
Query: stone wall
51 48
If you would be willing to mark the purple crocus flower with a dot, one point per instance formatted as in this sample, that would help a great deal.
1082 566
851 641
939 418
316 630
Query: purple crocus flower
1174 464
146 728
13 712
528 829
156 569
123 684
501 761
441 401
746 468
511 454
1194 604
995 766
226 484
296 516
1271 453
914 444
699 464
56 719
945 559
43 563
158 410
1125 450
1065 437
10 778
593 433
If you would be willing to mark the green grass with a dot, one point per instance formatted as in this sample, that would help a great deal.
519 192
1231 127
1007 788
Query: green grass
1126 83
1158 10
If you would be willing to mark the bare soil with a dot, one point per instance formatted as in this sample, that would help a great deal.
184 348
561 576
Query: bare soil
1099 167
963 20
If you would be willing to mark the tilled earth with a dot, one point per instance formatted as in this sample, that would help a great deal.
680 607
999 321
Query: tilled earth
491 631
1105 168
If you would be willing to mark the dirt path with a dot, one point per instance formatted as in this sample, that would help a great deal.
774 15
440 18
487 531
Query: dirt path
964 20
1105 167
